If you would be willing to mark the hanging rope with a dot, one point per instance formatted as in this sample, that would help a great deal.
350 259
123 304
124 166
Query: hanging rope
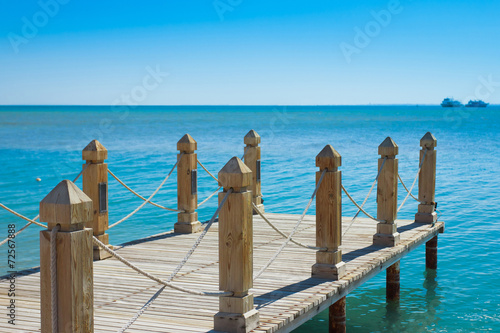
140 196
215 178
33 221
411 195
22 216
366 199
293 231
414 181
150 197
358 206
210 196
154 278
285 236
179 267
53 276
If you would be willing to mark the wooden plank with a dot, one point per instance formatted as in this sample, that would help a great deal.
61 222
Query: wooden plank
284 300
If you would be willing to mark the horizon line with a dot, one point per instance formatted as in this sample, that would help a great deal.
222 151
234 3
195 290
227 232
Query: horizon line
176 105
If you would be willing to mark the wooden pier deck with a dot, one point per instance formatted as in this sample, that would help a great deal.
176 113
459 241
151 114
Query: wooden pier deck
285 295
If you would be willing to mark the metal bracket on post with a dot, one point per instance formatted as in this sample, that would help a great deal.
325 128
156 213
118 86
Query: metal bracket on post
194 183
103 197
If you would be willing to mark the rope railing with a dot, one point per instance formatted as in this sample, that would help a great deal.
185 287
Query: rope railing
53 276
32 221
154 278
245 151
210 196
406 188
360 208
366 199
414 181
206 170
179 267
150 197
23 217
273 258
140 196
283 234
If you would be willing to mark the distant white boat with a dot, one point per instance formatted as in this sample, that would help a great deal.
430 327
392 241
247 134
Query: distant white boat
450 103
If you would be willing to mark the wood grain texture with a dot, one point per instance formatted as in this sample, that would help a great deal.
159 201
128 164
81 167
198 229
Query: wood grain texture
185 199
236 243
329 211
74 281
387 190
251 156
427 178
94 174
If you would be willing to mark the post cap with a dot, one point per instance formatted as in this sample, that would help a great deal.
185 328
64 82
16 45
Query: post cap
328 158
94 151
428 141
66 205
187 144
235 174
252 138
388 148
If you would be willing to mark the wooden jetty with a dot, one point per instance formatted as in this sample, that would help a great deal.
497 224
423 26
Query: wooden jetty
103 295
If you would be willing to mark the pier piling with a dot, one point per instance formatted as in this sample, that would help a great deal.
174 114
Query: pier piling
236 312
337 316
431 253
392 285
95 185
187 187
387 194
68 208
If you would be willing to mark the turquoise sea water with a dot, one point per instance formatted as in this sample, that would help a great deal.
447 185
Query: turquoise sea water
462 296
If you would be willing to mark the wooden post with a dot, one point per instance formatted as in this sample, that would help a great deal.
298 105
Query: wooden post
431 253
392 286
95 186
236 313
187 187
337 316
329 264
66 205
427 180
252 161
387 195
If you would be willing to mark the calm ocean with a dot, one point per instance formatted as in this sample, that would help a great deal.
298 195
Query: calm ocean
462 296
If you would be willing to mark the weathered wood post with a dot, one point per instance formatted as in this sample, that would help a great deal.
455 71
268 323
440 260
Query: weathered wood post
329 264
337 316
252 160
431 253
392 284
387 195
427 180
187 187
67 206
95 186
236 313
426 194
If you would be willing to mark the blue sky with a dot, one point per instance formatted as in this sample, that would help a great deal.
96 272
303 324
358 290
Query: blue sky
248 52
